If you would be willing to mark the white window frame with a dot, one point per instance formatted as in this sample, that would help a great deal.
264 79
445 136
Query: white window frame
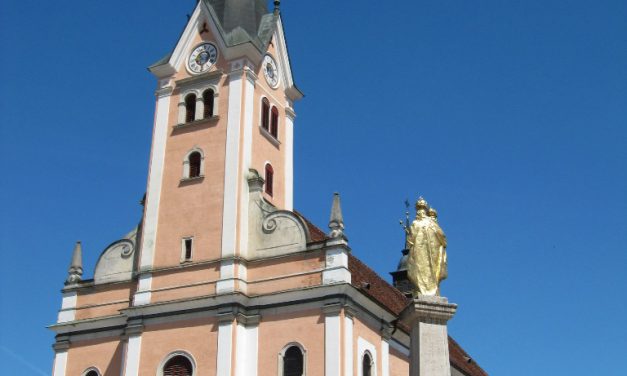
281 356
172 355
200 104
364 347
186 169
183 249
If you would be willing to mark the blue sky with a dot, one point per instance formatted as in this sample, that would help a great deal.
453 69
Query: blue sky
510 117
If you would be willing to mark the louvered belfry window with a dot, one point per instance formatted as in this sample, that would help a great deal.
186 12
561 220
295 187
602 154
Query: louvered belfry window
265 114
293 362
269 179
194 164
178 366
190 108
207 99
274 123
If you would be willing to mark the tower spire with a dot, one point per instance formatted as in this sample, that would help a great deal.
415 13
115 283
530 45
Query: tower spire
277 7
76 267
336 223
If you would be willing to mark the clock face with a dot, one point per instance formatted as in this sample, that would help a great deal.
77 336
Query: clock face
202 58
271 71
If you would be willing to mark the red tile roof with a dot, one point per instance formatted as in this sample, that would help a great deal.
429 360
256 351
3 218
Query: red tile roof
316 234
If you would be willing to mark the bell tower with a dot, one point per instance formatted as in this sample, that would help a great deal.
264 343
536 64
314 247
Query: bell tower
224 107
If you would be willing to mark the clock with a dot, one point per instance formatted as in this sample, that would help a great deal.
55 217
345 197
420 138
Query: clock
202 58
270 71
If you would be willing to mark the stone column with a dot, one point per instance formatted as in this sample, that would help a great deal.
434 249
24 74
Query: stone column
427 317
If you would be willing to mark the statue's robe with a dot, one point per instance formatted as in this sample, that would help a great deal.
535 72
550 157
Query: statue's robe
426 263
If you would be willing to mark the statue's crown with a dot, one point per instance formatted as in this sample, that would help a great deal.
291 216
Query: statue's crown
432 213
421 204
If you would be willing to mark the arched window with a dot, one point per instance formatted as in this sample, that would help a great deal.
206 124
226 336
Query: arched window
367 365
190 108
207 100
265 114
293 362
195 160
92 373
269 179
178 366
274 123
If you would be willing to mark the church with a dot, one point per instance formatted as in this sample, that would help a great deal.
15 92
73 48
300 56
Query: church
222 276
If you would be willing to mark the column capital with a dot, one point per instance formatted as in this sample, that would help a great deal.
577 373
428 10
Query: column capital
428 309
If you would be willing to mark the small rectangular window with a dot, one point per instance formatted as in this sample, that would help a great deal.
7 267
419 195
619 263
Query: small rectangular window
188 245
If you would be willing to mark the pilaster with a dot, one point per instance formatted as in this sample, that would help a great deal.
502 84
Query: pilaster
332 339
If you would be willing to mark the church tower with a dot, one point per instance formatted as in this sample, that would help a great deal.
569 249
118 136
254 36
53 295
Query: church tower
224 107
222 276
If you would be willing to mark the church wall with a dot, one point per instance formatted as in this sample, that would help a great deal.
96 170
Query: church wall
179 283
196 337
106 355
263 148
277 331
104 300
285 273
370 334
399 364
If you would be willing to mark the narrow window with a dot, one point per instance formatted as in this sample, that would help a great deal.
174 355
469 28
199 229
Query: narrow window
293 362
269 179
194 164
190 108
207 99
178 366
367 365
187 248
274 124
265 114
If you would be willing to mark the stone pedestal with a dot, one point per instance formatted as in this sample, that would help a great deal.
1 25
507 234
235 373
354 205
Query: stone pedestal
427 318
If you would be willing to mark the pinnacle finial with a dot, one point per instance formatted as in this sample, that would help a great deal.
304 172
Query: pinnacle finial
336 223
277 7
76 267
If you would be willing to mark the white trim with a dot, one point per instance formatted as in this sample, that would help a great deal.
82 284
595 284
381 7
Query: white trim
281 356
289 162
247 136
60 363
364 347
143 294
247 350
231 164
336 268
348 344
225 348
133 351
332 343
283 57
385 358
155 180
68 307
171 355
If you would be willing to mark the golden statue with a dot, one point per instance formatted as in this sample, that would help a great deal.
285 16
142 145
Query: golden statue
426 242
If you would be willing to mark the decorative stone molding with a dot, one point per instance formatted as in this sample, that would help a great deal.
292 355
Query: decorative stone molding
271 232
